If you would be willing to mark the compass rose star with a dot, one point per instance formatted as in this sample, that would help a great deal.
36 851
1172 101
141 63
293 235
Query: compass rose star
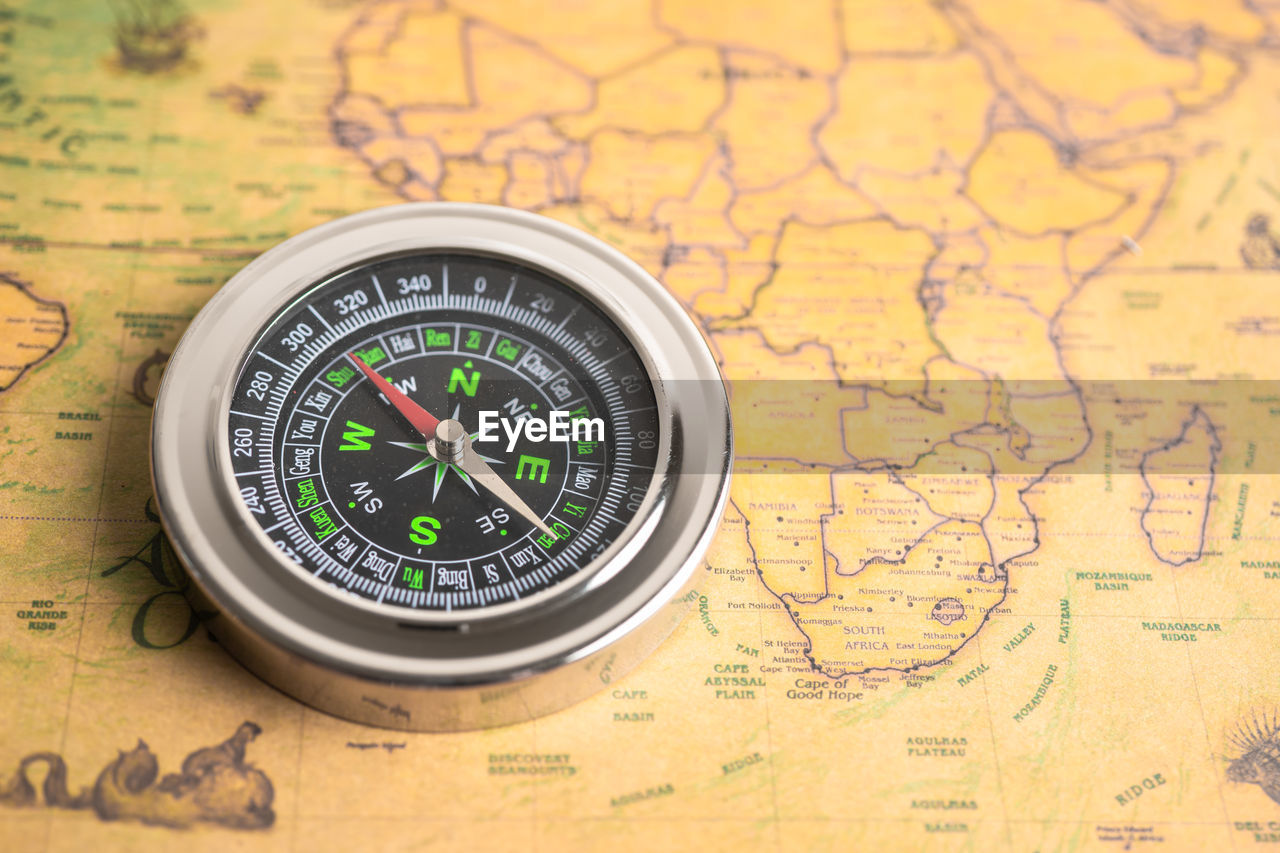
441 469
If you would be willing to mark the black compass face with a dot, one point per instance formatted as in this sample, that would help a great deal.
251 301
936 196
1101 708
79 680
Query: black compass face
555 444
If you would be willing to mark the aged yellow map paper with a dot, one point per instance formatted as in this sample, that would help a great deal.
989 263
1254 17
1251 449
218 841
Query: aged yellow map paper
995 287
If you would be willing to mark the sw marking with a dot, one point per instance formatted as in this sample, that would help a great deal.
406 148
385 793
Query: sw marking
561 426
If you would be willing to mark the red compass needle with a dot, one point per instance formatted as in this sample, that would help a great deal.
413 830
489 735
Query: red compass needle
421 420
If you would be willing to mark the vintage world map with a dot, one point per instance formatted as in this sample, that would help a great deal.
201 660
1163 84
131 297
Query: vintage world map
995 288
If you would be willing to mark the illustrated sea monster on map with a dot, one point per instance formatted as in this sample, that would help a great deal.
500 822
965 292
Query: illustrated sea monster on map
1261 248
146 377
153 35
1259 762
215 785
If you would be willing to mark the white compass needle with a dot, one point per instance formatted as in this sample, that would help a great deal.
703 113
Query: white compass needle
474 466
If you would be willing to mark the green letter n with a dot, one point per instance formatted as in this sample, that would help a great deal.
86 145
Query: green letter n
469 384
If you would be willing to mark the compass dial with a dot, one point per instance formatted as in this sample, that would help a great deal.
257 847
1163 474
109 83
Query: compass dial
356 496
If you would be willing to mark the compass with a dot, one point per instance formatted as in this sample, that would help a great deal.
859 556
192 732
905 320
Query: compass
441 466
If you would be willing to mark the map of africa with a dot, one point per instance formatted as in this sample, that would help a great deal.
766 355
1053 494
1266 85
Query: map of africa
994 288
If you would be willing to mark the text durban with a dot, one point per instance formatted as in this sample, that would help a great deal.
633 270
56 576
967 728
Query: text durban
561 426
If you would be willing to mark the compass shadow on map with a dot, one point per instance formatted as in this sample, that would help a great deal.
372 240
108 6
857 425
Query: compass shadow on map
216 785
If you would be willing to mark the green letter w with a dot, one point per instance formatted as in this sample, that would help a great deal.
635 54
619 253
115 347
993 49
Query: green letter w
355 437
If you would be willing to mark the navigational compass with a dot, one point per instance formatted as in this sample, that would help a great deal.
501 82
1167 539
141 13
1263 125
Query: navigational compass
441 466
